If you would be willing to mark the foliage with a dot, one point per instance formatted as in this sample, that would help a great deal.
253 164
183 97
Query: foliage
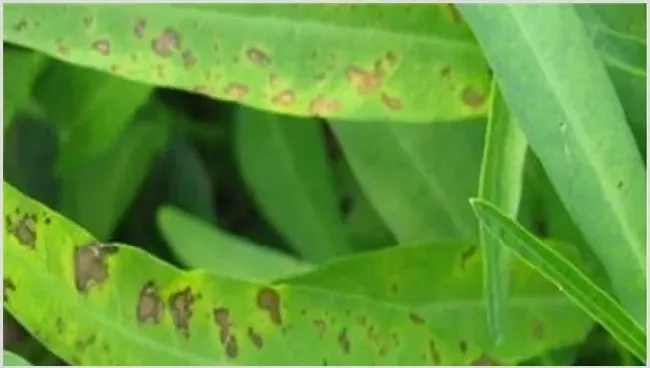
219 184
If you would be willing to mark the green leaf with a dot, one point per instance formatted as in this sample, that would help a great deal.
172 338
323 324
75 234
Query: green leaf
202 246
501 182
21 68
97 192
568 278
12 360
361 62
554 82
113 304
283 162
540 316
93 112
418 177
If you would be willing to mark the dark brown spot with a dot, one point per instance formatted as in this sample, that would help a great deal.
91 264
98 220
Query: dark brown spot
24 230
60 325
189 60
82 345
8 287
462 345
139 28
167 43
48 220
472 98
150 305
22 24
321 327
91 266
258 57
232 349
181 307
344 341
236 91
364 81
537 330
456 17
416 319
255 338
466 255
228 340
269 300
284 98
62 48
102 46
322 106
435 355
484 360
392 103
88 21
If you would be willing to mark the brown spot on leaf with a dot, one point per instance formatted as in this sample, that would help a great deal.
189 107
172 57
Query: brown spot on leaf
82 345
445 73
91 266
60 325
139 28
484 360
537 330
344 341
392 103
472 98
236 91
20 25
102 46
181 306
24 230
150 305
228 340
365 81
47 220
391 59
415 318
255 338
394 288
88 21
321 327
62 48
322 106
189 60
258 57
167 43
284 98
8 286
433 352
619 185
269 300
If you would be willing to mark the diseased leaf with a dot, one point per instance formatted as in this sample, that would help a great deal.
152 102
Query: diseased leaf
99 190
91 114
283 162
106 314
555 84
201 246
540 317
501 182
360 62
12 360
593 300
21 68
419 178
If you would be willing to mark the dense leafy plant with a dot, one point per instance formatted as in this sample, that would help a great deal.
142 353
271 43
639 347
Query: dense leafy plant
325 184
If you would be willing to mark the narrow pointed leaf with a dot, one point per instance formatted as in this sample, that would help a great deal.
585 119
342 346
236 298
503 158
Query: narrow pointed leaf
554 82
501 182
568 278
